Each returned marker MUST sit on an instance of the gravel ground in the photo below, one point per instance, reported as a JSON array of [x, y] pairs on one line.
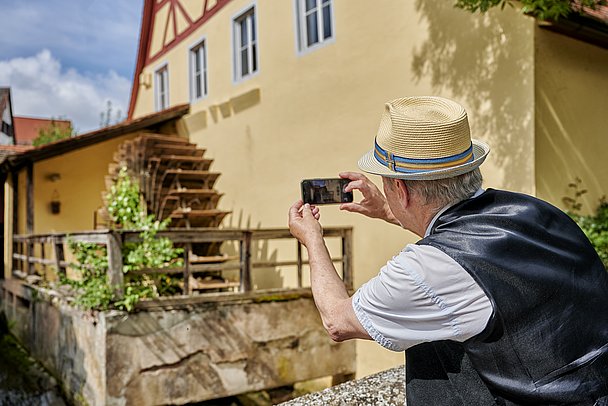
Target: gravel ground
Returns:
[[382, 389]]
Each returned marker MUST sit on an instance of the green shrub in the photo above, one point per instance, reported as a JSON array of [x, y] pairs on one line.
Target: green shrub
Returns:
[[128, 212], [595, 226]]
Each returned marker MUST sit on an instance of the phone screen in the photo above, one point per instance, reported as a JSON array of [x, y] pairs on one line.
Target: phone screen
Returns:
[[325, 191]]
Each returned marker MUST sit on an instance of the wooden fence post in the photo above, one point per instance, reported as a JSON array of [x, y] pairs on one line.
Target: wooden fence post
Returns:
[[245, 251], [347, 258], [59, 255], [115, 274], [187, 286], [299, 259], [29, 248]]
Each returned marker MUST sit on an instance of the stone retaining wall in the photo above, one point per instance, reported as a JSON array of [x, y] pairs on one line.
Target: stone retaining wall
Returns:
[[185, 354]]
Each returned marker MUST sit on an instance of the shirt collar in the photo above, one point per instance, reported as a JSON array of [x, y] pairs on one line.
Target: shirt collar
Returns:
[[440, 212]]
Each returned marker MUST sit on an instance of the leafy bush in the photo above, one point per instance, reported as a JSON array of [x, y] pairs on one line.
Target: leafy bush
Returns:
[[595, 226], [541, 9], [54, 132], [128, 212]]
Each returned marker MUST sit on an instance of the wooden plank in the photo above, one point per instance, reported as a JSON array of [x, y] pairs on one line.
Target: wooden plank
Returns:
[[187, 287], [347, 258], [59, 255], [273, 264], [245, 252], [192, 174], [28, 253], [115, 274], [182, 213], [34, 260], [160, 149], [225, 298], [185, 158], [196, 259], [196, 192], [192, 235], [299, 263], [15, 225], [217, 285], [145, 136], [30, 199]]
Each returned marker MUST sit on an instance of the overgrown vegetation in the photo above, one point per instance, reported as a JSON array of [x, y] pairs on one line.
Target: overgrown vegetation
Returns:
[[541, 9], [127, 212], [595, 226], [54, 132]]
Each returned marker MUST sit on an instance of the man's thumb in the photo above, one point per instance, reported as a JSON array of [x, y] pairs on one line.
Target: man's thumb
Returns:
[[306, 212]]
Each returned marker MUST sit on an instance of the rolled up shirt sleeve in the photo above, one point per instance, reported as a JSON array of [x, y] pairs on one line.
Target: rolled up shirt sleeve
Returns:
[[421, 295]]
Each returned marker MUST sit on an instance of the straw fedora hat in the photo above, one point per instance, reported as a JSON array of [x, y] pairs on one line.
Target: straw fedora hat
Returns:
[[423, 138]]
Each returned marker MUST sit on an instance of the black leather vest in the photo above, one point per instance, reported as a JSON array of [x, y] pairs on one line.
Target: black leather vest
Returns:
[[547, 340]]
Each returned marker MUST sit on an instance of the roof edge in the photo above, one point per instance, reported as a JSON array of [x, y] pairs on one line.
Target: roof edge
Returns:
[[142, 51], [91, 138]]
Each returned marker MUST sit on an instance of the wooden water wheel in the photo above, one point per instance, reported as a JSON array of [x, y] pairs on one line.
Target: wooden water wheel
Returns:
[[176, 182]]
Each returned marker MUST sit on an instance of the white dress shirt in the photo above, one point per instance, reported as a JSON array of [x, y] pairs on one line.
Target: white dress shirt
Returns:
[[421, 295]]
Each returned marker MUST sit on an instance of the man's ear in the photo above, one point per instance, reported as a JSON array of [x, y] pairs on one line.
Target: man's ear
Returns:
[[402, 191]]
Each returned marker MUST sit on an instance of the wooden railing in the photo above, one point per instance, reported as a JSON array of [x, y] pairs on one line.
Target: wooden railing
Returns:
[[42, 254]]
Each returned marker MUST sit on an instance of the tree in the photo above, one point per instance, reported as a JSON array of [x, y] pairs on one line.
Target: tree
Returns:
[[105, 117], [54, 132], [541, 9]]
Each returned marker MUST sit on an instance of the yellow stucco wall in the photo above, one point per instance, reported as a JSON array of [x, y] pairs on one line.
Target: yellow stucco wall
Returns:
[[317, 112], [79, 188], [571, 105]]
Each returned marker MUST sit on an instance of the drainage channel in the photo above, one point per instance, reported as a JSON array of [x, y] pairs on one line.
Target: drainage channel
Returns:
[[23, 382]]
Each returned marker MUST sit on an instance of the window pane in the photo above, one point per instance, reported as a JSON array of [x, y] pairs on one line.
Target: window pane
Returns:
[[310, 4], [244, 62], [312, 31], [326, 22], [198, 90], [252, 18], [254, 56], [197, 61], [205, 81], [243, 29]]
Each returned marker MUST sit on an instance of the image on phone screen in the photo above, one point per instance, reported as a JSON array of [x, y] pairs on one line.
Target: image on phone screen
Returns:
[[325, 191]]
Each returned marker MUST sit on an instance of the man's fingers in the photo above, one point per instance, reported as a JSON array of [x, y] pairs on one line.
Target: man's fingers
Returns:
[[352, 207], [352, 175], [356, 184]]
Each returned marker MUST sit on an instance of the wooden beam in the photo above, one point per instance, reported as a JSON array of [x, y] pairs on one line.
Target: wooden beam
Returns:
[[59, 255], [245, 250], [9, 209], [347, 258], [29, 216], [115, 274]]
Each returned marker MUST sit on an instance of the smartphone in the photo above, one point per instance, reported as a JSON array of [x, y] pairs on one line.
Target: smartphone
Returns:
[[325, 191]]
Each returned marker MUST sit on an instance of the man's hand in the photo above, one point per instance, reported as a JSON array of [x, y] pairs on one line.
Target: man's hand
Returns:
[[373, 204], [304, 222]]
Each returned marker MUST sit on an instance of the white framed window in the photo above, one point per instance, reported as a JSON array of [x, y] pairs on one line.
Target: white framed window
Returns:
[[315, 24], [198, 71], [245, 44], [161, 88]]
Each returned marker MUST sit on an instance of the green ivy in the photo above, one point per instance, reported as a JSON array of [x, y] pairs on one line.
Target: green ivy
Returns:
[[128, 212], [595, 225]]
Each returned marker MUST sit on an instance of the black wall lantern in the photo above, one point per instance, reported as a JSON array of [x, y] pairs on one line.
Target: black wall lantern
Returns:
[[55, 203]]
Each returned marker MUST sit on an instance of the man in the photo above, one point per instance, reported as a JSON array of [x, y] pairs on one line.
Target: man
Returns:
[[503, 300]]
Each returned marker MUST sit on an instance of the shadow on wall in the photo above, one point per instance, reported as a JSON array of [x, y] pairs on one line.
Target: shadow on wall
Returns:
[[486, 63], [261, 277]]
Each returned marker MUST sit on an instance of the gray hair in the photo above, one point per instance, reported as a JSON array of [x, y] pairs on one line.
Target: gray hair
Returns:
[[442, 192]]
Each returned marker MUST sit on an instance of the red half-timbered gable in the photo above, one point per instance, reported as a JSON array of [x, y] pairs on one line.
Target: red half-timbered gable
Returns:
[[175, 19]]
